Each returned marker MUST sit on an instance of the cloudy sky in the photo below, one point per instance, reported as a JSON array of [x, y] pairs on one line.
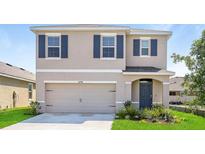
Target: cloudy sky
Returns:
[[17, 44]]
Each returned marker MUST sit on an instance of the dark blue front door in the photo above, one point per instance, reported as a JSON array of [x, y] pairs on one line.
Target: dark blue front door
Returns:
[[145, 93]]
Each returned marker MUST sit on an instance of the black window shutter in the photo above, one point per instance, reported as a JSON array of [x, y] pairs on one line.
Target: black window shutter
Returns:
[[96, 46], [64, 46], [41, 46], [120, 46], [136, 47], [153, 47]]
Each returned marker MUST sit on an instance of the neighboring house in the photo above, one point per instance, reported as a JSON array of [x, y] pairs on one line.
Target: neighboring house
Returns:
[[176, 91], [17, 86], [96, 68]]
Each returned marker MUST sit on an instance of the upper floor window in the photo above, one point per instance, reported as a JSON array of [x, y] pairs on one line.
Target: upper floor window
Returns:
[[30, 90], [144, 47], [53, 46], [108, 46]]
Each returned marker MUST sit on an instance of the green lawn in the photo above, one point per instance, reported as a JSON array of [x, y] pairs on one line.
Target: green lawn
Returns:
[[12, 116], [189, 122]]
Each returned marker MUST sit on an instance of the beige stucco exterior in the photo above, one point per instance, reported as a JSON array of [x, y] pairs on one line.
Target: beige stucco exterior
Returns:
[[159, 61], [8, 86], [124, 85], [80, 52], [80, 58], [80, 49]]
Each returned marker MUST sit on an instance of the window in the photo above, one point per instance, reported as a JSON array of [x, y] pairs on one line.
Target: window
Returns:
[[175, 93], [172, 93], [30, 90], [53, 46], [108, 46], [144, 47]]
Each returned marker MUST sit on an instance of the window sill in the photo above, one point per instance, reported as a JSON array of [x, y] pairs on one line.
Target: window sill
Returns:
[[145, 56], [53, 58], [107, 58]]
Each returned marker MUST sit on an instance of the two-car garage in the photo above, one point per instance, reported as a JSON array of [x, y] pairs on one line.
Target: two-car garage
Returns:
[[80, 97]]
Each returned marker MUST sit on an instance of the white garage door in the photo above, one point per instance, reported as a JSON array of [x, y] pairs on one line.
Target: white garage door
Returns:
[[80, 98]]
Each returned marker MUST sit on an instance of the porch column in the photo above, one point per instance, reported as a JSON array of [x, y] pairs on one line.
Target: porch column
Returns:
[[120, 97], [40, 95], [128, 91], [123, 93], [165, 94]]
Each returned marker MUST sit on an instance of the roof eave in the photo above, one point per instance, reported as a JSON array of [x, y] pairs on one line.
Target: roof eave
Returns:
[[17, 78], [36, 29], [169, 34]]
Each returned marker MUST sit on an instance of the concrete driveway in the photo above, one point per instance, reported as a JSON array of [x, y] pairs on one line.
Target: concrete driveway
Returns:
[[65, 121]]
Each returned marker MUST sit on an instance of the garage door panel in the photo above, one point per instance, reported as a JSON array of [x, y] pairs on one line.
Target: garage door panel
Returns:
[[86, 98]]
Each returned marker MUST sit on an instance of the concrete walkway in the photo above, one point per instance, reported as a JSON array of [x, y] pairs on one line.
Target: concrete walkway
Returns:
[[65, 121]]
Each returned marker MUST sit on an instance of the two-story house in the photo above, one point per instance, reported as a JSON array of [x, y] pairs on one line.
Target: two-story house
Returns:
[[96, 68]]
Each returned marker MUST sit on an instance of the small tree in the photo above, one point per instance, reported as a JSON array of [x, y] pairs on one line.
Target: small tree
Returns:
[[194, 82]]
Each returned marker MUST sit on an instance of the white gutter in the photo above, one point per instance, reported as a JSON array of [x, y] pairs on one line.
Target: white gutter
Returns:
[[129, 30], [150, 33], [18, 78], [75, 28]]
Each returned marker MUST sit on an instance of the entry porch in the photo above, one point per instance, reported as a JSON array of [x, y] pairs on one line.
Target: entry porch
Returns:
[[145, 87]]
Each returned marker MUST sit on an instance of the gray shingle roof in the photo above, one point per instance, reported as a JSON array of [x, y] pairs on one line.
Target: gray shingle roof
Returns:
[[146, 70], [150, 32], [141, 69], [82, 25], [132, 31], [16, 72]]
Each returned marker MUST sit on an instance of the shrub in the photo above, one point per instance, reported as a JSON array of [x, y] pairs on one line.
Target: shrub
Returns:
[[167, 116], [127, 104], [158, 106], [127, 117], [157, 113], [152, 114], [35, 106], [121, 113], [128, 112], [132, 111]]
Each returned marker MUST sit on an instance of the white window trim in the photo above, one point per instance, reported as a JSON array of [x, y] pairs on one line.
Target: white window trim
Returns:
[[149, 52], [107, 58], [31, 86], [53, 58], [101, 46], [53, 34], [30, 91]]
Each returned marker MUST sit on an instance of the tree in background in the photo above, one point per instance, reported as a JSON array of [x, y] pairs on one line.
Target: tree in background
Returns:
[[194, 82]]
